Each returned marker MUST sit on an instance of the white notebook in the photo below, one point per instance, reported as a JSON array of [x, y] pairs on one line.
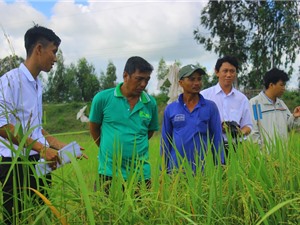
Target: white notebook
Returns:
[[43, 168]]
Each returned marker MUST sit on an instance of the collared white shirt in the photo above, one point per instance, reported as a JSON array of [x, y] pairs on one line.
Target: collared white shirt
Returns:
[[21, 103], [232, 107]]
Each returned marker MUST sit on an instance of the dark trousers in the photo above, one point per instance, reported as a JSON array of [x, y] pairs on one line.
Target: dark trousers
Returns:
[[20, 178]]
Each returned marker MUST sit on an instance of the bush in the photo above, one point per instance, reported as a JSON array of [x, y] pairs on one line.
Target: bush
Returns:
[[291, 99]]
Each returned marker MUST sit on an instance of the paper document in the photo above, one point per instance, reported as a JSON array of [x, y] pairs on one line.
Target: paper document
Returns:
[[43, 168]]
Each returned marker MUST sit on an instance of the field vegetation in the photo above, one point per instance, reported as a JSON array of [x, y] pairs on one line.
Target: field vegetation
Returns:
[[253, 188]]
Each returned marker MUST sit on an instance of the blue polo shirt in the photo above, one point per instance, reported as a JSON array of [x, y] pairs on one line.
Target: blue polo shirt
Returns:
[[124, 132], [188, 133]]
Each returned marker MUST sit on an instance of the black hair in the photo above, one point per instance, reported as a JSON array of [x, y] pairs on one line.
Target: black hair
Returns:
[[229, 59], [137, 63], [273, 76], [39, 34]]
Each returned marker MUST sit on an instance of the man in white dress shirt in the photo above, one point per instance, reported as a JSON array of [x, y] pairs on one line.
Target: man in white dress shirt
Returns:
[[22, 138], [233, 105]]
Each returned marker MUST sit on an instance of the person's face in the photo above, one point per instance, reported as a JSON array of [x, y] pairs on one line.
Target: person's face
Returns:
[[47, 56], [278, 89], [136, 82], [226, 74], [191, 84]]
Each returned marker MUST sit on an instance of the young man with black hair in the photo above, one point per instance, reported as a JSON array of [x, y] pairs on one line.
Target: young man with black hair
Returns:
[[21, 113], [271, 117]]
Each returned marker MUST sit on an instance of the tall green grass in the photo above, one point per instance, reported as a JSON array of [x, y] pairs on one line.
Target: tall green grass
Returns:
[[253, 188]]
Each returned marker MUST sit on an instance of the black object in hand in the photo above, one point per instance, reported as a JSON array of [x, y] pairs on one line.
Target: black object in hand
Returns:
[[232, 127]]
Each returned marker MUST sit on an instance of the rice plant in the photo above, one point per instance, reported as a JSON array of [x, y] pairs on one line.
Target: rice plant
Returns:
[[254, 187]]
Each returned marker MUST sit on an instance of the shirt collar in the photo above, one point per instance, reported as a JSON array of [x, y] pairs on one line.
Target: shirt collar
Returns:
[[218, 89], [268, 100], [145, 98], [26, 72], [28, 75], [201, 99]]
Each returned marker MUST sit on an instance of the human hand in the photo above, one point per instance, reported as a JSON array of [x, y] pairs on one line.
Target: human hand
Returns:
[[232, 128], [296, 113], [82, 155], [51, 155]]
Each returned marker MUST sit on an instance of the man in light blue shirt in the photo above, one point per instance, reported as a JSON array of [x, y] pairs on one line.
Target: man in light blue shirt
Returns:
[[233, 105]]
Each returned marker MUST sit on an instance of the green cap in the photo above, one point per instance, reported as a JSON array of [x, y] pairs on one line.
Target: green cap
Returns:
[[188, 70]]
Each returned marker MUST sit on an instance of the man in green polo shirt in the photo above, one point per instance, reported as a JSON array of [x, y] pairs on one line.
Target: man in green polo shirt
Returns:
[[122, 119]]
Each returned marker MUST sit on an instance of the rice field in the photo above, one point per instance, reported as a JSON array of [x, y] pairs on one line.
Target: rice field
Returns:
[[254, 187]]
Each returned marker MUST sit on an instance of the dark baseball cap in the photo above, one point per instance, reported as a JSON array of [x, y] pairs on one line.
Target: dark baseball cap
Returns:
[[188, 70]]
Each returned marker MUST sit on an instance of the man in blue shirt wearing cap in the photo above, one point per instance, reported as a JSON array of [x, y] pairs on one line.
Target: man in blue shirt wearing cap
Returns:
[[191, 125]]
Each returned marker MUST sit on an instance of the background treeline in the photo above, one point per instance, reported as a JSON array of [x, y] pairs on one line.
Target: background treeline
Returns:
[[261, 34], [78, 82]]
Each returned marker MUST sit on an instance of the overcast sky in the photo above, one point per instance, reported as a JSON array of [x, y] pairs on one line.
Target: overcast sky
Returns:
[[111, 30]]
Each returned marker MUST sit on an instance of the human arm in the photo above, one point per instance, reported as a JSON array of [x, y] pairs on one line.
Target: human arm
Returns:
[[8, 132], [166, 138], [95, 131], [293, 119], [52, 141], [57, 144], [256, 116], [153, 126], [215, 133], [150, 134], [246, 123]]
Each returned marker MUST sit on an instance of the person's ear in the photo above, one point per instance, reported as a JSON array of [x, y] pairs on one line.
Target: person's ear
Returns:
[[38, 49], [125, 75], [180, 82], [217, 73]]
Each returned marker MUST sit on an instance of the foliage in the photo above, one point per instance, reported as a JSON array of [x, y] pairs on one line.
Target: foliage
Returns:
[[162, 73], [206, 82], [10, 62], [108, 80], [71, 83], [253, 188], [291, 99], [86, 79], [61, 118], [261, 34], [57, 88]]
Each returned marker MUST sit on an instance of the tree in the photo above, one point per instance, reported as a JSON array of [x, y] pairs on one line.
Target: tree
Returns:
[[86, 80], [261, 34], [73, 94], [10, 62], [108, 80], [57, 87], [206, 82], [77, 82], [162, 72]]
